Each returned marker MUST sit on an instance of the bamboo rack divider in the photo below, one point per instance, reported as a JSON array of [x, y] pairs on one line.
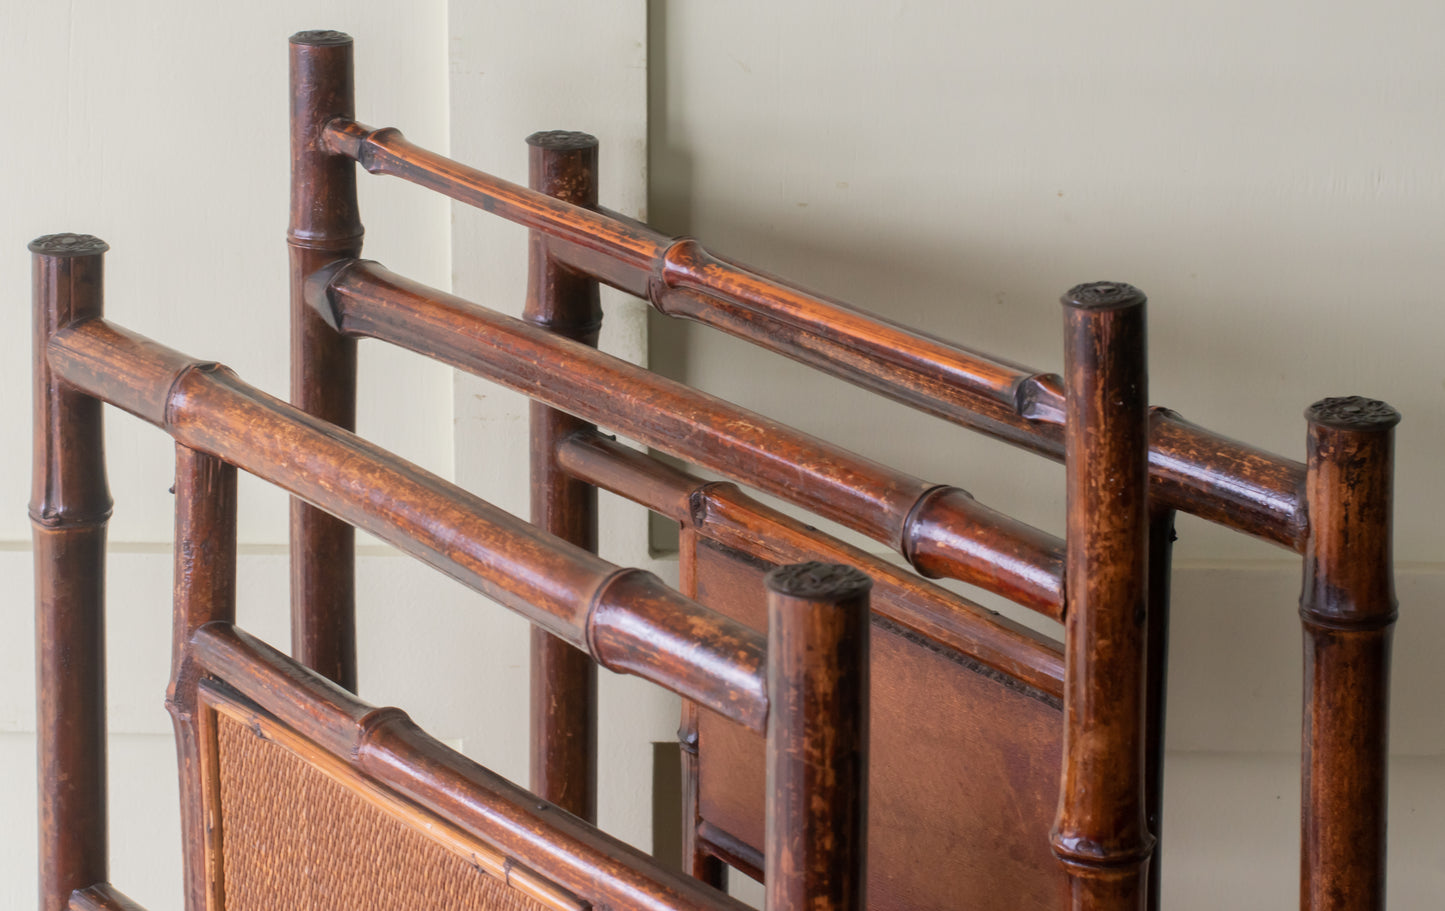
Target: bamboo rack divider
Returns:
[[942, 530], [1192, 469], [628, 620], [732, 518]]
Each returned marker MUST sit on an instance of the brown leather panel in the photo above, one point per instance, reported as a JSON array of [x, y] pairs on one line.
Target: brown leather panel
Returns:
[[964, 773]]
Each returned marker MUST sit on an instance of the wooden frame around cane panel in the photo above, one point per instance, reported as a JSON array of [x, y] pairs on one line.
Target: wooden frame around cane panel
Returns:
[[253, 726]]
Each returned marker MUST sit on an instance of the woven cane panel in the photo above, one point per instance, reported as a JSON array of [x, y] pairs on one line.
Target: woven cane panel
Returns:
[[292, 837]]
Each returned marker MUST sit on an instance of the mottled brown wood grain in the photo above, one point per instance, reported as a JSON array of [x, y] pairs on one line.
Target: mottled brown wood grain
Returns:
[[325, 225], [564, 679], [1348, 609], [1101, 833], [69, 507]]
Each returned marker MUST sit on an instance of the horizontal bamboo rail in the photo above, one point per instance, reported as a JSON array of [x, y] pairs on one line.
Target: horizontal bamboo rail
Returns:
[[726, 515], [102, 897], [627, 619], [1192, 469], [942, 530], [385, 746]]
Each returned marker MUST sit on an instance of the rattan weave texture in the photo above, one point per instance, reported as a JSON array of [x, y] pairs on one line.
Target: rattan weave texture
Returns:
[[294, 838]]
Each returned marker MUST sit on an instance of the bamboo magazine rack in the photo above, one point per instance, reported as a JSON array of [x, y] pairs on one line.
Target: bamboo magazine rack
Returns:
[[853, 733]]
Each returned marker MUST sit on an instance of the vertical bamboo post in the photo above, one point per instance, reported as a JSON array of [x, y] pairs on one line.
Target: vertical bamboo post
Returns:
[[696, 860], [1161, 547], [205, 590], [69, 507], [564, 680], [1348, 609], [817, 742], [325, 226], [1100, 834]]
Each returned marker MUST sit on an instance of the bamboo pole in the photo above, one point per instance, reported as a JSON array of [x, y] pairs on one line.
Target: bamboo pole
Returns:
[[1348, 609], [1101, 834], [629, 620], [205, 592], [1192, 469], [564, 679], [69, 508], [816, 841], [325, 226]]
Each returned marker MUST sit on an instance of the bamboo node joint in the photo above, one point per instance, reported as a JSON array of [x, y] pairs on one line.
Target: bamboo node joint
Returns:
[[1080, 850]]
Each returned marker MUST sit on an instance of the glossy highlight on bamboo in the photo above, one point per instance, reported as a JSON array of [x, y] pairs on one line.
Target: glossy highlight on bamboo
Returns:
[[564, 679], [1348, 609], [943, 531], [325, 225], [69, 508], [1101, 834], [1193, 470], [559, 587]]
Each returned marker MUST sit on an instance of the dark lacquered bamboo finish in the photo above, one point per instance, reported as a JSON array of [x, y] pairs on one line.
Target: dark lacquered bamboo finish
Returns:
[[564, 679], [69, 507], [205, 592], [1101, 833], [1194, 470], [388, 749], [628, 619], [817, 797], [1348, 608], [325, 225], [1128, 469], [102, 897], [943, 531], [1156, 688]]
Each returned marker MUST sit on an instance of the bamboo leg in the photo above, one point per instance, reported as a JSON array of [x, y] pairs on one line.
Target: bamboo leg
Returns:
[[1101, 833], [69, 507], [1348, 609], [205, 591], [817, 753], [564, 679], [696, 860], [1161, 546], [325, 227]]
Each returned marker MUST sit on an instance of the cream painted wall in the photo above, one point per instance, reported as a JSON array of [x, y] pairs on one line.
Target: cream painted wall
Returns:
[[162, 127], [1267, 172], [517, 69]]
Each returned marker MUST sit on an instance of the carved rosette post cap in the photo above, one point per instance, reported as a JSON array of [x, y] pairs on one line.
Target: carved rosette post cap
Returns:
[[1103, 296], [562, 140], [819, 581], [1352, 412], [321, 37], [68, 245]]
